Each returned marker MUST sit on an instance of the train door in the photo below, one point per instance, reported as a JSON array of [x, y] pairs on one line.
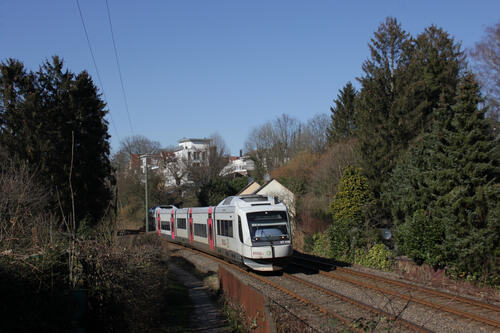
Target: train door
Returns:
[[240, 236], [191, 238], [158, 223], [210, 229], [172, 222]]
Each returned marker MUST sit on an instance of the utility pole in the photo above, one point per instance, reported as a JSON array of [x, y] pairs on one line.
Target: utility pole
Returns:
[[146, 190]]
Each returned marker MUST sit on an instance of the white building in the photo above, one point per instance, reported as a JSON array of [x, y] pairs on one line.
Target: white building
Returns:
[[193, 150], [190, 152], [241, 165]]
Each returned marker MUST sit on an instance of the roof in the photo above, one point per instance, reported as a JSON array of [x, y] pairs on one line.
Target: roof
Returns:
[[250, 188], [204, 140]]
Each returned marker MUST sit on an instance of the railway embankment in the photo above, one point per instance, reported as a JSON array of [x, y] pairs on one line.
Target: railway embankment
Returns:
[[313, 297]]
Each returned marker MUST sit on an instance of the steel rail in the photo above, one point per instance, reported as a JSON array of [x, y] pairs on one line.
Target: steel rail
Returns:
[[413, 299], [364, 306], [410, 286], [423, 289], [346, 321]]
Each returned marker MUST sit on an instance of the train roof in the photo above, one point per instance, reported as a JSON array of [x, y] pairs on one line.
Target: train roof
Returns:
[[250, 200]]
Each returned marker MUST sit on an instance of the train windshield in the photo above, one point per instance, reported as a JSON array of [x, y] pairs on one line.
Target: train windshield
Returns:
[[268, 225]]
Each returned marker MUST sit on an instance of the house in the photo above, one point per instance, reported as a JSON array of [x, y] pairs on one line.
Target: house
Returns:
[[250, 188], [238, 165], [174, 164], [275, 189]]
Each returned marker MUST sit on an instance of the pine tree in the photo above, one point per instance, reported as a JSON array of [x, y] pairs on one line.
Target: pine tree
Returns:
[[472, 207], [381, 87], [445, 194], [343, 119], [55, 122], [435, 63]]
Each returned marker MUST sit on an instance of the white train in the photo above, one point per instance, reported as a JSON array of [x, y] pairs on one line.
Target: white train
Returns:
[[251, 230]]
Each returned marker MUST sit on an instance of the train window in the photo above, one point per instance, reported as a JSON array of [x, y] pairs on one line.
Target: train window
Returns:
[[165, 225], [181, 223], [268, 225], [227, 201], [200, 230], [254, 198], [225, 228], [240, 230]]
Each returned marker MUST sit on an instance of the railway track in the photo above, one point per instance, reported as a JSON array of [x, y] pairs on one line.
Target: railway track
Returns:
[[348, 317], [460, 307]]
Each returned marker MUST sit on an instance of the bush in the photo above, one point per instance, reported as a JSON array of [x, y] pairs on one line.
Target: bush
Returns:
[[379, 257], [353, 194], [321, 245], [348, 230], [127, 284]]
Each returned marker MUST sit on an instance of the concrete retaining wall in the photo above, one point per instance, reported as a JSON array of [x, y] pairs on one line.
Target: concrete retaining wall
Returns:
[[251, 300]]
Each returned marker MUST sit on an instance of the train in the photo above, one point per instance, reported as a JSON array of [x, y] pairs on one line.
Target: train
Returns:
[[250, 230]]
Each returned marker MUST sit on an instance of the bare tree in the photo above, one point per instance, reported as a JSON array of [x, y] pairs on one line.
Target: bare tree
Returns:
[[176, 167], [314, 138], [486, 54], [137, 144], [275, 143], [211, 163]]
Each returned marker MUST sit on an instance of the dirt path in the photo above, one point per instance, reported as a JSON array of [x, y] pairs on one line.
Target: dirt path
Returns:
[[205, 317]]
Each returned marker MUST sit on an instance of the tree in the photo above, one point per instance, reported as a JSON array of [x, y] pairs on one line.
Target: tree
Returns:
[[219, 188], [343, 119], [134, 145], [486, 54], [54, 120], [377, 114], [346, 208], [273, 144], [434, 68], [445, 194], [209, 169]]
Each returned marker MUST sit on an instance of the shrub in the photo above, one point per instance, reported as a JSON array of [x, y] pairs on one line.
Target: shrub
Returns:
[[379, 257], [321, 245], [353, 194], [348, 230]]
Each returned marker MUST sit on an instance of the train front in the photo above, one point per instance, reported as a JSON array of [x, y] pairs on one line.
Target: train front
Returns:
[[270, 237]]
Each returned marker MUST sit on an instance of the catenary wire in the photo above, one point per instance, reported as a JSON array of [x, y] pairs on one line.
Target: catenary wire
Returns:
[[119, 68], [95, 65]]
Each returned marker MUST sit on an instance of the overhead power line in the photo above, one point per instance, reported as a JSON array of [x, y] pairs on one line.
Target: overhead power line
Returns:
[[95, 64], [119, 68]]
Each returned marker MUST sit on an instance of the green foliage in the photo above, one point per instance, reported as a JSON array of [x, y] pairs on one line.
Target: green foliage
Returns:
[[378, 256], [340, 241], [219, 188], [353, 194], [404, 82], [444, 192], [55, 121], [377, 113], [347, 231], [343, 118], [321, 245]]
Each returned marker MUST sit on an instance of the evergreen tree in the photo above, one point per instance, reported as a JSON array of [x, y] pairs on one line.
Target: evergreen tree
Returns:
[[343, 120], [55, 122], [430, 79], [445, 194], [377, 116]]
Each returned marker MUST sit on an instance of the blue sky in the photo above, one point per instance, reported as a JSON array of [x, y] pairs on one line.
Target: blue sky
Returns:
[[194, 68]]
